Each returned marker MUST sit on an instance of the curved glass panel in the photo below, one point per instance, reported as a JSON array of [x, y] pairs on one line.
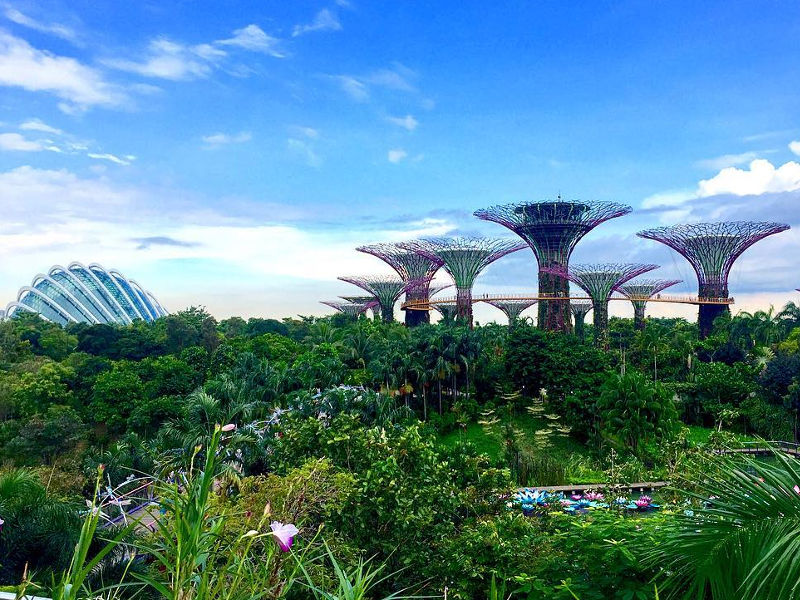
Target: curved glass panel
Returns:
[[116, 292], [99, 291], [68, 282], [44, 307], [61, 300], [141, 310]]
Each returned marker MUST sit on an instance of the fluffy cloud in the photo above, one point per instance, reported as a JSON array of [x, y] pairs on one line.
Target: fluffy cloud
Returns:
[[396, 155], [16, 142], [408, 122], [795, 147], [325, 20], [760, 178], [79, 86], [397, 78]]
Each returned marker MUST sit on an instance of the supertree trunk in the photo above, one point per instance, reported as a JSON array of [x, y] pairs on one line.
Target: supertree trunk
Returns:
[[601, 325], [638, 314], [417, 317], [464, 306], [554, 315], [387, 313], [580, 329], [709, 312]]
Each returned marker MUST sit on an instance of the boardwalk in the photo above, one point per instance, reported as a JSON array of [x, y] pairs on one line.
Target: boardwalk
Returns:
[[641, 487]]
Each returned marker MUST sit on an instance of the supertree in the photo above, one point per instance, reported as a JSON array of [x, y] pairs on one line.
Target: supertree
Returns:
[[464, 258], [711, 249], [552, 228], [639, 292], [351, 309], [448, 311], [409, 266], [385, 288], [599, 281], [580, 308], [371, 301], [512, 308]]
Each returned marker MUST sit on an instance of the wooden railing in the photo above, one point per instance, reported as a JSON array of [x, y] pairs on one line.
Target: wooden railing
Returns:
[[428, 304]]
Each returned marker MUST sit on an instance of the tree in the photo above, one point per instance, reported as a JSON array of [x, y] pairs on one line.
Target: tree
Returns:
[[39, 532], [44, 437], [39, 389], [634, 411], [114, 395]]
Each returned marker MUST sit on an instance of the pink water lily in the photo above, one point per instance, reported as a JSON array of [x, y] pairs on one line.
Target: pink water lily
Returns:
[[796, 489], [229, 427], [284, 533]]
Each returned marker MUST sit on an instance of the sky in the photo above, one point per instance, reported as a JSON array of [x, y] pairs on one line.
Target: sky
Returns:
[[233, 154]]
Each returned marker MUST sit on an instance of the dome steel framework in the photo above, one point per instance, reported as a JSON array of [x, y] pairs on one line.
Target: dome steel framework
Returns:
[[86, 294]]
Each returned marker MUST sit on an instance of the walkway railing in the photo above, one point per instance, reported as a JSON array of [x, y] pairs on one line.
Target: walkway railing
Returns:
[[427, 304]]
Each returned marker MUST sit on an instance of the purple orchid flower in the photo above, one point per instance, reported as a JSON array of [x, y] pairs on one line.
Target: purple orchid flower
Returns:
[[284, 533]]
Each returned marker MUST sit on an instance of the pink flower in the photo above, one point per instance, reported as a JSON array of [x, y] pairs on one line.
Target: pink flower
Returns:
[[2, 523], [576, 497], [229, 427], [284, 533], [796, 489], [593, 496]]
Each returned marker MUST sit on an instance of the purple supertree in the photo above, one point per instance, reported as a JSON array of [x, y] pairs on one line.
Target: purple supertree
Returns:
[[580, 308], [512, 308], [552, 228], [639, 292], [711, 249], [385, 288], [351, 309], [599, 281], [409, 266], [370, 301], [464, 258]]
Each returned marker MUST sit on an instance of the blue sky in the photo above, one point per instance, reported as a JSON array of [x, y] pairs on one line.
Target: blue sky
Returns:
[[232, 154]]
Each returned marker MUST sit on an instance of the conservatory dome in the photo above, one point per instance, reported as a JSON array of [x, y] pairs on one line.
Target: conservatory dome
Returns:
[[81, 294]]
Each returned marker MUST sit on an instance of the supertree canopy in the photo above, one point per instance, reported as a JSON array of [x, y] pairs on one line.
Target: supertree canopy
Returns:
[[599, 281], [512, 308], [639, 292], [552, 228], [385, 288], [351, 309], [464, 258], [409, 265], [580, 308], [711, 249]]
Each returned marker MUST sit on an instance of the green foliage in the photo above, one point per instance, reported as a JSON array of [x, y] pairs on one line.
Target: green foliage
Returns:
[[739, 540], [634, 412], [39, 530]]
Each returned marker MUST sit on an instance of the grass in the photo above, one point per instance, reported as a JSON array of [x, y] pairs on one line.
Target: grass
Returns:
[[699, 435], [565, 449]]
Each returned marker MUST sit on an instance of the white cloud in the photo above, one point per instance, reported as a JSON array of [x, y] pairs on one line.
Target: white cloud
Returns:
[[254, 38], [795, 147], [79, 86], [397, 78], [408, 122], [726, 160], [353, 87], [169, 60], [112, 158], [224, 139], [308, 132], [396, 155], [39, 125], [325, 20], [56, 29], [16, 142], [305, 149], [760, 178]]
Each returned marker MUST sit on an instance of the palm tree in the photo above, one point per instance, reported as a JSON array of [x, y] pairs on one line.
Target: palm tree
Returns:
[[39, 530], [742, 539]]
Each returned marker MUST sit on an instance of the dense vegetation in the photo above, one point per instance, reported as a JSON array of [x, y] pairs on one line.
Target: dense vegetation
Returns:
[[393, 450]]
